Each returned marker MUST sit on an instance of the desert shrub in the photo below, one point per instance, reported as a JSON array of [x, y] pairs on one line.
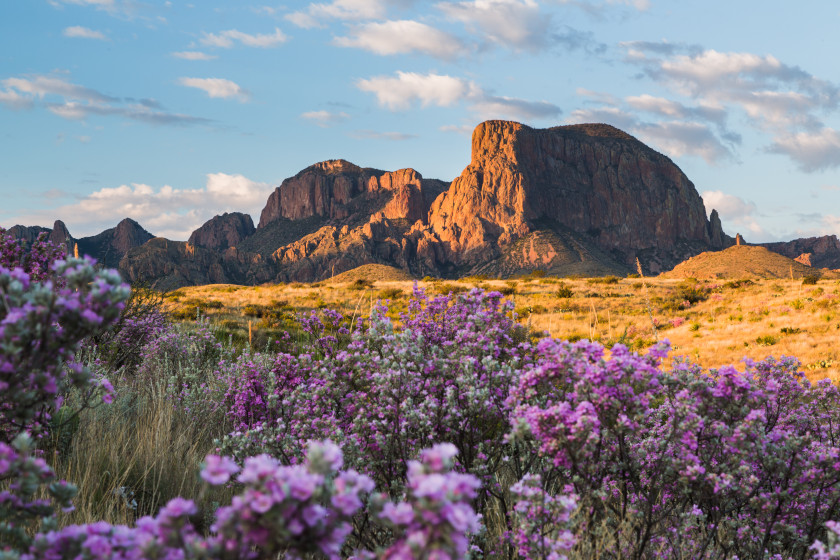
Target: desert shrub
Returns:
[[766, 340], [735, 284], [360, 284], [120, 346], [564, 291], [455, 289], [253, 310], [507, 290], [810, 279], [603, 280], [391, 293], [790, 330]]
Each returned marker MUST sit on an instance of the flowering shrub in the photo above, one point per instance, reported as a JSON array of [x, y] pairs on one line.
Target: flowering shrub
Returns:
[[388, 394], [36, 260], [542, 521], [291, 510], [437, 517], [41, 327], [685, 463]]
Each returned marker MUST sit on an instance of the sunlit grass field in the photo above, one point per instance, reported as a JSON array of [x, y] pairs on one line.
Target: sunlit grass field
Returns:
[[714, 323]]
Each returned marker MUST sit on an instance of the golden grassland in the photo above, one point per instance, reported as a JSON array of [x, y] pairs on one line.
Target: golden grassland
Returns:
[[712, 322]]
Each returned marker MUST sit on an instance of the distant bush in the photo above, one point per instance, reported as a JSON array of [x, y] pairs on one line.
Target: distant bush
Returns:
[[391, 293], [811, 279], [603, 280], [564, 291], [360, 284]]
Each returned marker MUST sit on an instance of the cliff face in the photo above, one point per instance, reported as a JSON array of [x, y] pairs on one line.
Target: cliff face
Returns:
[[594, 180], [336, 190], [222, 232], [817, 252]]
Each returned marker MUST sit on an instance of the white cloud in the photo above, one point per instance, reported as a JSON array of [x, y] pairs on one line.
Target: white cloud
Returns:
[[226, 39], [736, 214], [193, 55], [216, 87], [812, 151], [166, 211], [675, 138], [457, 128], [498, 107], [75, 102], [407, 88], [14, 100], [325, 119], [400, 92], [101, 3], [608, 115], [346, 10], [80, 32], [401, 37], [517, 24], [41, 86], [678, 138]]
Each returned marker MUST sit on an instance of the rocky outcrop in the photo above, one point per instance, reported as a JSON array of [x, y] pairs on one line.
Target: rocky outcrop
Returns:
[[223, 232], [593, 180], [27, 234], [59, 234], [111, 245], [818, 252], [338, 190]]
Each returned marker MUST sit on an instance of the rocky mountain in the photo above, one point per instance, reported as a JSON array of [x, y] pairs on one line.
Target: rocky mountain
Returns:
[[581, 199], [817, 252], [110, 246], [107, 247], [223, 232]]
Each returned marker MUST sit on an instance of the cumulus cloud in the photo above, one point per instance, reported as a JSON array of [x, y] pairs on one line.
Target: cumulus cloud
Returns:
[[193, 55], [736, 214], [517, 24], [402, 37], [675, 138], [780, 100], [166, 211], [346, 10], [216, 87], [80, 32], [74, 102], [408, 88], [400, 92], [812, 151], [499, 107], [227, 39], [325, 119]]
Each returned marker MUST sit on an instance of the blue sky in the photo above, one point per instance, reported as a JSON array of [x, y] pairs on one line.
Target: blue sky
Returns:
[[172, 112]]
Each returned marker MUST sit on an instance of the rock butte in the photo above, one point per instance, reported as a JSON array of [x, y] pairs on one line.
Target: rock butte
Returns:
[[581, 199]]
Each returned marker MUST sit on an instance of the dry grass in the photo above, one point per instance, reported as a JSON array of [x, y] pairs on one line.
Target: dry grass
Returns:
[[152, 451], [766, 317]]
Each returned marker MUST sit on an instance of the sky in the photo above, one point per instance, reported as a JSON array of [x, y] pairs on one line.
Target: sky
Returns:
[[172, 112]]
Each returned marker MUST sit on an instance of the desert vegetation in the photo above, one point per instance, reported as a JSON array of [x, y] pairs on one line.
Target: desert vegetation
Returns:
[[387, 419]]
